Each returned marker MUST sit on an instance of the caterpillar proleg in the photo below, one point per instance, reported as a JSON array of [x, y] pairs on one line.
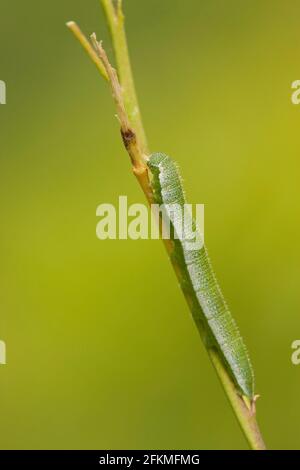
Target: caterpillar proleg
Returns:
[[199, 283]]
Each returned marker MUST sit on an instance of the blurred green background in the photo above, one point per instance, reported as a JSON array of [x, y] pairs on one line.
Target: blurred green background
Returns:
[[101, 348]]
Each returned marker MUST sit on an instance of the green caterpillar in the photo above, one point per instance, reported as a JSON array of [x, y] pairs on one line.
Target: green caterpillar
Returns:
[[198, 281]]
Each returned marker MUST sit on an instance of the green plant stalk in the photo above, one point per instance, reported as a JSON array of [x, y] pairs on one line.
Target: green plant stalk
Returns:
[[136, 145], [115, 20], [88, 48], [244, 414]]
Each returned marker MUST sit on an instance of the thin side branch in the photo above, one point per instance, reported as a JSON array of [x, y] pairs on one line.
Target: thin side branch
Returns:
[[87, 47]]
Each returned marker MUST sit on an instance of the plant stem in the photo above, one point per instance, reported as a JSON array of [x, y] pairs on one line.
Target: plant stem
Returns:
[[129, 135], [134, 139], [115, 19], [245, 416]]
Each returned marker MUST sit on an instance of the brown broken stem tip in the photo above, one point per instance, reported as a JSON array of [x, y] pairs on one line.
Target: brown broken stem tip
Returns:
[[114, 83], [128, 134]]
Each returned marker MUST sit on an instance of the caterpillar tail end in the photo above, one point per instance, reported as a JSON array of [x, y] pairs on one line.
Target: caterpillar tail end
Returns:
[[247, 402], [250, 403]]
